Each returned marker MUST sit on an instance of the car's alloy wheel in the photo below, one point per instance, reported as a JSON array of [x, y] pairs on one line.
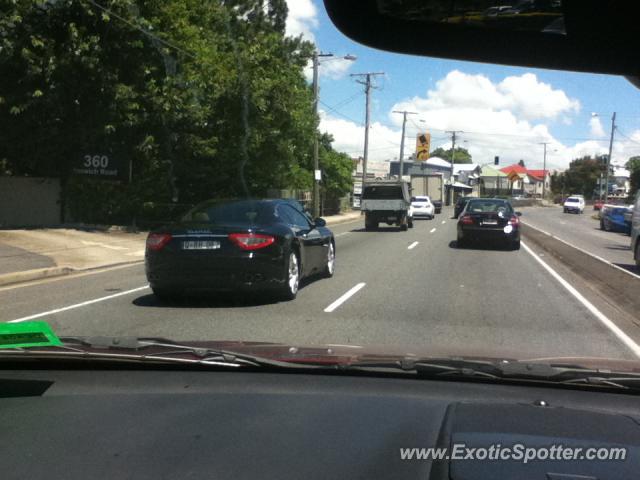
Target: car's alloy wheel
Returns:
[[331, 261], [293, 277]]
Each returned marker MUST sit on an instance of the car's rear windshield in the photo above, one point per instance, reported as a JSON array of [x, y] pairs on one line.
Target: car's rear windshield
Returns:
[[235, 213], [387, 192], [420, 199], [573, 200], [490, 206]]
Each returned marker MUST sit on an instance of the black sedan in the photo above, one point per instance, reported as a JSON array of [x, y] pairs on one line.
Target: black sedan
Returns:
[[490, 219], [239, 245], [460, 204]]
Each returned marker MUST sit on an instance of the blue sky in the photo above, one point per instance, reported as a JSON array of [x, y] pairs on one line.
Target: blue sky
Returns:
[[508, 111]]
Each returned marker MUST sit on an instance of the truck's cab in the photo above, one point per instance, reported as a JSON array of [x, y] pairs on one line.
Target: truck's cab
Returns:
[[386, 202]]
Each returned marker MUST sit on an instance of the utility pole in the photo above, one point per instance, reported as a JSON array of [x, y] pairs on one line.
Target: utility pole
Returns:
[[316, 166], [454, 134], [404, 125], [367, 122], [613, 130], [544, 169]]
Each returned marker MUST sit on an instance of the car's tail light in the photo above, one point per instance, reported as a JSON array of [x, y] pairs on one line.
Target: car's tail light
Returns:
[[251, 241], [466, 220], [156, 241], [514, 220]]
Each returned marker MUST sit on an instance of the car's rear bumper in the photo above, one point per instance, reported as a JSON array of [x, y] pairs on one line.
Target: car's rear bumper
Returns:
[[220, 274], [422, 213], [483, 233]]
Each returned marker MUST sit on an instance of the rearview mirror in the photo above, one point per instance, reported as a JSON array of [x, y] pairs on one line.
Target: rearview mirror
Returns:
[[582, 35], [320, 222]]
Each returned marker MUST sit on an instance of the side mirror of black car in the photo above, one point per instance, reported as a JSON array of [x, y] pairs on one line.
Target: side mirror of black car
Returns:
[[519, 214], [320, 222]]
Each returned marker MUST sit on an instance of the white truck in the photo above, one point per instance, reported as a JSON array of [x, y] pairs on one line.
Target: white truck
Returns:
[[431, 186], [386, 202]]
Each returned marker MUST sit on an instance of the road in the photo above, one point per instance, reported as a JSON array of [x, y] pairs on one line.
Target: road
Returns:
[[420, 293], [583, 232]]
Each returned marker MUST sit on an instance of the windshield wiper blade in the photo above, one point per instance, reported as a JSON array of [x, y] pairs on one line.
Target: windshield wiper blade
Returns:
[[151, 349], [505, 370]]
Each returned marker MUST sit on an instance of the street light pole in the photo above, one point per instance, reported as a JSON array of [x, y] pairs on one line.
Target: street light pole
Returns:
[[316, 166], [544, 170], [613, 129]]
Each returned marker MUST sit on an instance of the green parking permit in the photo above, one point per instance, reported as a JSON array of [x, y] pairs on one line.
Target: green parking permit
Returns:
[[27, 334]]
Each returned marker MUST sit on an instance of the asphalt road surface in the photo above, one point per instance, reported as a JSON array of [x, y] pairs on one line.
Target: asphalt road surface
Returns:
[[583, 232], [412, 290]]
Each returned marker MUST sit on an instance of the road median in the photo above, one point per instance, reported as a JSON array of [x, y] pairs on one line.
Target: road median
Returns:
[[615, 283]]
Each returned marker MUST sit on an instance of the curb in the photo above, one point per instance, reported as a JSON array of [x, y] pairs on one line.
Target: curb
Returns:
[[52, 272], [36, 274]]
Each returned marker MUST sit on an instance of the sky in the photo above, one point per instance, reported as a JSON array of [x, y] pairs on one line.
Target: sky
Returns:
[[502, 111]]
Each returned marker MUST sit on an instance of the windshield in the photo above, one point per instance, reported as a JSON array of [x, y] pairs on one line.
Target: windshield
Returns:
[[215, 213], [382, 193], [239, 171]]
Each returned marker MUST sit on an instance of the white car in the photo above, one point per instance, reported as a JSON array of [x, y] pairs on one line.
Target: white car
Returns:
[[574, 204], [421, 206]]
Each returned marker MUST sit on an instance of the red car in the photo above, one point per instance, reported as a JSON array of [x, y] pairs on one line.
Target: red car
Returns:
[[597, 205]]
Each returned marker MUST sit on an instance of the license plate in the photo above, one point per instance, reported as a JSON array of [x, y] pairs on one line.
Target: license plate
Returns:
[[200, 245], [490, 222]]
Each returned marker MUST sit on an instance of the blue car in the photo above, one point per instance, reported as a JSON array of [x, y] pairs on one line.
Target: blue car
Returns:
[[613, 219]]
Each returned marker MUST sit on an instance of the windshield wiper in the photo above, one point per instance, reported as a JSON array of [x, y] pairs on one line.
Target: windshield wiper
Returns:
[[504, 370], [154, 350]]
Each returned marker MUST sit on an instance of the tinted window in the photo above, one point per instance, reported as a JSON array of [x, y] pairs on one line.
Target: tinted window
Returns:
[[573, 200], [283, 214], [382, 193], [487, 206], [247, 212], [297, 218]]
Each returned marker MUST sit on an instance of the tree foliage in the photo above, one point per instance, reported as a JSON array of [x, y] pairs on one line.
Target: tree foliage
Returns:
[[203, 99], [462, 155], [580, 178], [633, 165]]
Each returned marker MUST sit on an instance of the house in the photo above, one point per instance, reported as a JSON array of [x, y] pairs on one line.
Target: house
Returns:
[[417, 168], [527, 182], [493, 182], [467, 174]]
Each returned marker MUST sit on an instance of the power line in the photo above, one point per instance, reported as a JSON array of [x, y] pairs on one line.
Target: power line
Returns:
[[357, 122], [627, 137], [142, 30]]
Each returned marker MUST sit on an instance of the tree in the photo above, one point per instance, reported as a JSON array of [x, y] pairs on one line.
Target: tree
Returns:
[[462, 155], [633, 165], [337, 168], [581, 177], [213, 103]]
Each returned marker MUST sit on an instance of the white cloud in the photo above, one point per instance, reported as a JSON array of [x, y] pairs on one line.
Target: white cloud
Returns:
[[384, 142], [596, 127], [302, 19], [498, 118]]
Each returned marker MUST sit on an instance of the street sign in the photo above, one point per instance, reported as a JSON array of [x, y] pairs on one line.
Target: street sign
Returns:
[[318, 174], [101, 165], [423, 145]]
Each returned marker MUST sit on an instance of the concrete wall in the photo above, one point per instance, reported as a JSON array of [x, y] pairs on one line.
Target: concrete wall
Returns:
[[29, 201]]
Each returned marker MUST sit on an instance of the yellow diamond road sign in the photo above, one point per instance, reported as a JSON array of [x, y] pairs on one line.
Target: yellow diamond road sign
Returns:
[[423, 144]]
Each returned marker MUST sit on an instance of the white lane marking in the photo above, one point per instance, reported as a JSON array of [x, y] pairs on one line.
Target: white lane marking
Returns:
[[341, 234], [432, 230], [139, 253], [412, 246], [78, 305], [628, 341], [344, 297], [592, 255], [444, 221]]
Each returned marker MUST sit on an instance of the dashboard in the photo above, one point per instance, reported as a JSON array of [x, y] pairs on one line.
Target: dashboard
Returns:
[[143, 424]]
